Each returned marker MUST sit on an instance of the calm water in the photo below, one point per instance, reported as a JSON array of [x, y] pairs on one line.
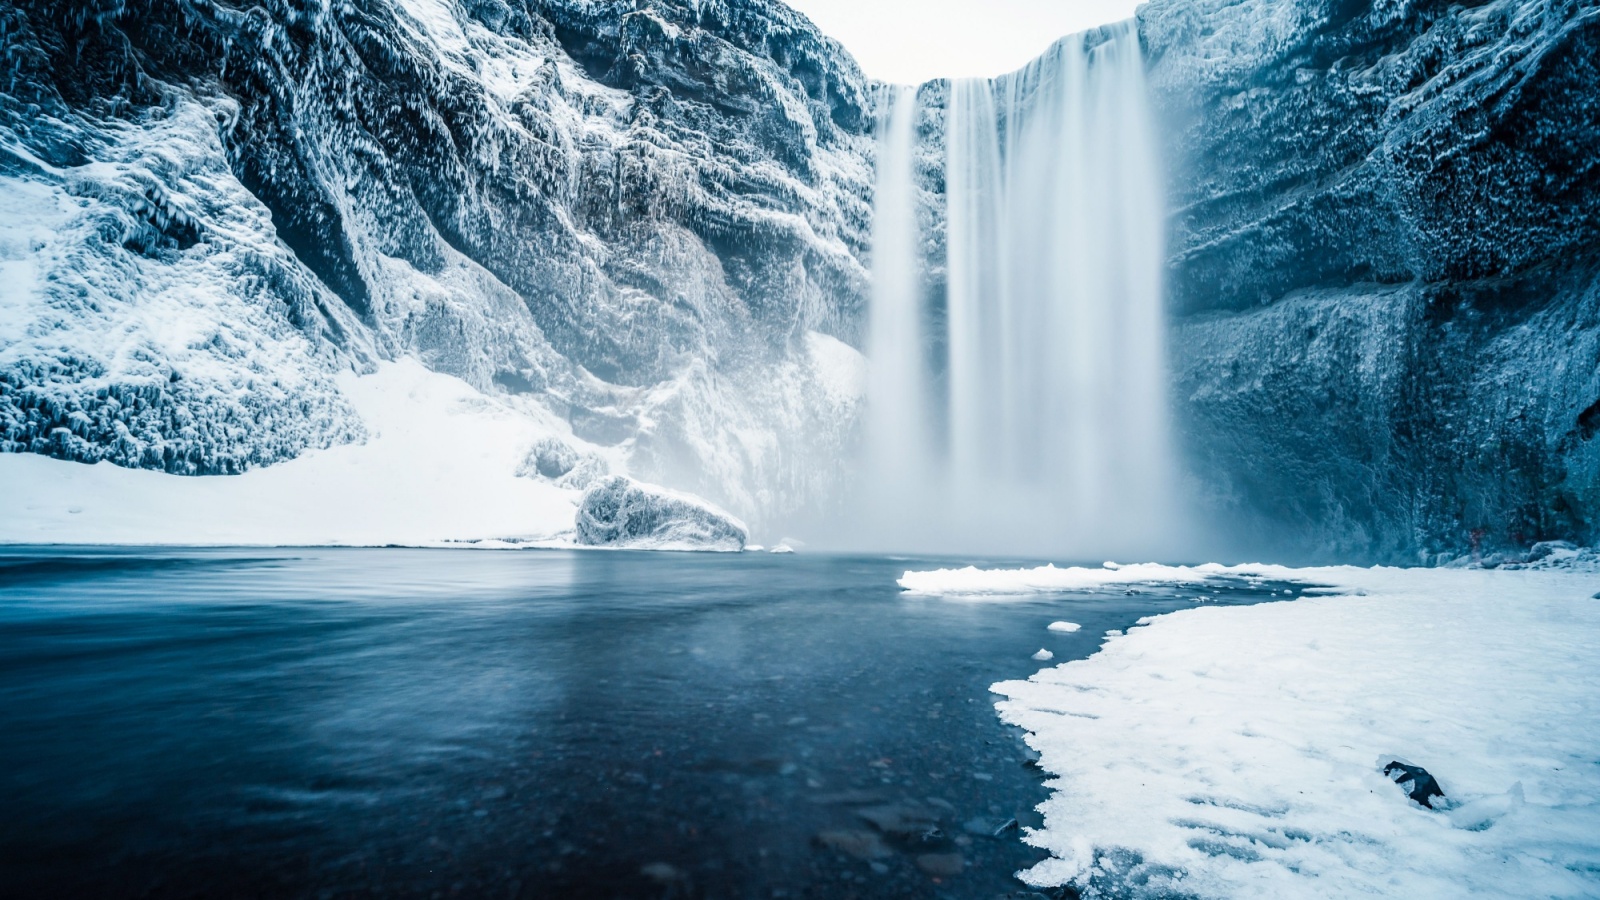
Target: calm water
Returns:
[[335, 723]]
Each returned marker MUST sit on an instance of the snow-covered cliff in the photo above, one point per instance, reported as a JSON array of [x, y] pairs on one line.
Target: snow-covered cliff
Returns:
[[1386, 266], [649, 220], [645, 216]]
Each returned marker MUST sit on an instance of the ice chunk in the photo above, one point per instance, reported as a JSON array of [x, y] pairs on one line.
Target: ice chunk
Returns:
[[623, 513], [1044, 655], [1064, 627]]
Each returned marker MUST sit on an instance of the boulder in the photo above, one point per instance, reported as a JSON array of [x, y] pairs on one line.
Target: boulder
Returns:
[[1416, 781], [623, 513]]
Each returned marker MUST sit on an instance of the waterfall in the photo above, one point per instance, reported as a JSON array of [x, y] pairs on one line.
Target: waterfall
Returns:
[[900, 438], [1041, 424]]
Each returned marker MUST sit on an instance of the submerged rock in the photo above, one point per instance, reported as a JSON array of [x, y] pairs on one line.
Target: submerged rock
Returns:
[[858, 843], [941, 865], [620, 512]]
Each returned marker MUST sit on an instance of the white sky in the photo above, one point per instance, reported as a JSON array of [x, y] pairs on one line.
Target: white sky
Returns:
[[911, 41]]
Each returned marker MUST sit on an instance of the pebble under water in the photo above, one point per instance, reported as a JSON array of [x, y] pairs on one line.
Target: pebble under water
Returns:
[[355, 723]]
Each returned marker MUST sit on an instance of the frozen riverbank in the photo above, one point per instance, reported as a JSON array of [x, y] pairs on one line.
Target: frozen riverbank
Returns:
[[1236, 752], [439, 465]]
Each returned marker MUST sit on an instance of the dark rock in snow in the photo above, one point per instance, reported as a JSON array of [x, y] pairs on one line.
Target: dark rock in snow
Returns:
[[1415, 781], [623, 513]]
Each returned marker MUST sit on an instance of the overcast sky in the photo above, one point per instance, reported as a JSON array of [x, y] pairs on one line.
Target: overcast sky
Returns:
[[911, 41]]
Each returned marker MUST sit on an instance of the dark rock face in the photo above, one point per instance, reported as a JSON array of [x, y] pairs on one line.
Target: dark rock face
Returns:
[[523, 193], [1386, 267]]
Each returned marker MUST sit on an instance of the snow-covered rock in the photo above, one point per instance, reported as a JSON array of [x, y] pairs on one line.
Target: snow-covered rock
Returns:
[[558, 462], [623, 513]]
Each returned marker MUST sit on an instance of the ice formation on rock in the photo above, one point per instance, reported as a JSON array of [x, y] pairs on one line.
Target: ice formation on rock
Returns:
[[625, 514]]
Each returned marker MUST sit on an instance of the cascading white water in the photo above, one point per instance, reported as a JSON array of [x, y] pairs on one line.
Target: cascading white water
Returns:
[[1051, 391], [900, 439]]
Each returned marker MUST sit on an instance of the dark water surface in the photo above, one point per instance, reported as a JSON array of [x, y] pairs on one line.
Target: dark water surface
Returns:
[[348, 723]]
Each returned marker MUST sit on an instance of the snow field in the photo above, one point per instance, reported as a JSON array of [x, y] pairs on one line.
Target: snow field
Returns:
[[439, 466], [1236, 752]]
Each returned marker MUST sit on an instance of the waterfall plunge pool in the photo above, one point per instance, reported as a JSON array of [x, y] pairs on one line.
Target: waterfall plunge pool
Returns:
[[524, 724]]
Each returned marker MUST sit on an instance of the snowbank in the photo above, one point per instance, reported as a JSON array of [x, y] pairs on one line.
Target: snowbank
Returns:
[[1046, 579], [622, 513], [1236, 752], [439, 465]]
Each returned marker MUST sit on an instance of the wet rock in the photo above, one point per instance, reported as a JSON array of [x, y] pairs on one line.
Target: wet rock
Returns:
[[941, 865], [662, 873], [847, 798], [979, 825], [1416, 781], [903, 820], [858, 843]]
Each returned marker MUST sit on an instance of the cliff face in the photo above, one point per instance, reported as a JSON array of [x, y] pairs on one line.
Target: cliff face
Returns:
[[1386, 267], [637, 212], [651, 218]]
